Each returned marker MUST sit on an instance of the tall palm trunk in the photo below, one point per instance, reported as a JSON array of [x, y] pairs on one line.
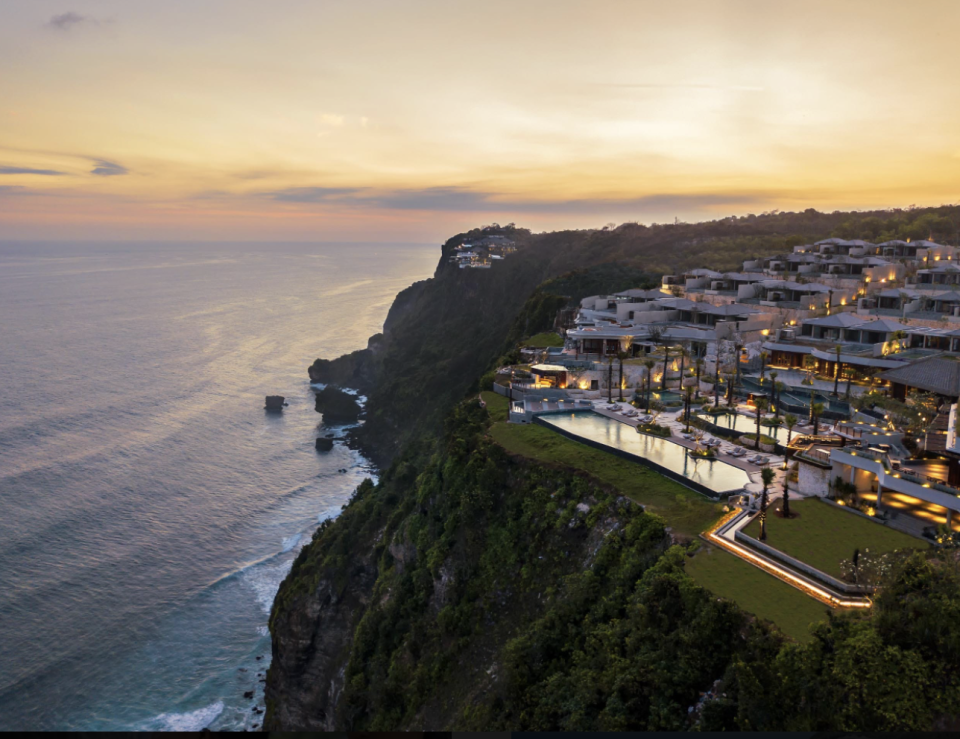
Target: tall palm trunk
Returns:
[[716, 379], [620, 384], [610, 380], [663, 377], [836, 375]]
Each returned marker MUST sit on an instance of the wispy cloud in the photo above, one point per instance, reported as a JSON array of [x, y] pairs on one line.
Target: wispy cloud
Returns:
[[459, 199], [12, 190], [66, 21], [29, 170], [310, 194], [681, 86], [107, 169]]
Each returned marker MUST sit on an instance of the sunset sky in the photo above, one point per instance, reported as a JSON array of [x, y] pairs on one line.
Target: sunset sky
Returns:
[[408, 121]]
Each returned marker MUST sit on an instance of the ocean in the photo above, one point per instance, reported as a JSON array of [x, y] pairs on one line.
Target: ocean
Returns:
[[149, 507]]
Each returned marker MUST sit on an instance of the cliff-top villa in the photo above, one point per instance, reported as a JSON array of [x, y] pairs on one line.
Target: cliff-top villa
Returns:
[[831, 322]]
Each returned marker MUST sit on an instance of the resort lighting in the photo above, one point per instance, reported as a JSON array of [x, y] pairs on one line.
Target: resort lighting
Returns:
[[810, 589]]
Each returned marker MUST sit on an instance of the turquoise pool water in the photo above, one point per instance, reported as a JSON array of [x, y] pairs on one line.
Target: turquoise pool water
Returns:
[[712, 474]]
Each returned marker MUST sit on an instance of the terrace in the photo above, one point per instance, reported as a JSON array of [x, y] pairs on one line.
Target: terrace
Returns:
[[824, 535]]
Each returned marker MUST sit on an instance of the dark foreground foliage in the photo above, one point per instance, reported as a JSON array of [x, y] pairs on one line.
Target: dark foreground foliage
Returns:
[[499, 604]]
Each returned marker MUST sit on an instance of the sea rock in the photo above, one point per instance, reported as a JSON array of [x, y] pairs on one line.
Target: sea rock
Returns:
[[248, 694], [337, 406], [275, 403], [324, 444]]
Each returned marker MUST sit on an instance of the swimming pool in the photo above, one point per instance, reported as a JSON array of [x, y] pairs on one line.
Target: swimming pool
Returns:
[[714, 475], [748, 425]]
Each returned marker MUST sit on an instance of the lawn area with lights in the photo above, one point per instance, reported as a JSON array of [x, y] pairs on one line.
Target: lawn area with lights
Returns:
[[822, 535], [756, 592]]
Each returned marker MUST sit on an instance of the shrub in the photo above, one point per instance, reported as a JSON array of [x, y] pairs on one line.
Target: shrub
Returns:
[[654, 429], [764, 439]]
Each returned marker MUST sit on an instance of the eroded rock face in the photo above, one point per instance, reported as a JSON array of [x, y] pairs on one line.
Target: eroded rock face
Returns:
[[337, 406], [312, 638]]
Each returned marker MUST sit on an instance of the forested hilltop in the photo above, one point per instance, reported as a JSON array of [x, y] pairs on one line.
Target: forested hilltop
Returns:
[[441, 334], [479, 588]]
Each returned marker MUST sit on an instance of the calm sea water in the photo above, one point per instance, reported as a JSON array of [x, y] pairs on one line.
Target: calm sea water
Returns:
[[149, 508]]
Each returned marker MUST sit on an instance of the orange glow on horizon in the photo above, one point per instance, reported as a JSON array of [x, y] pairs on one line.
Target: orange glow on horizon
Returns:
[[123, 125]]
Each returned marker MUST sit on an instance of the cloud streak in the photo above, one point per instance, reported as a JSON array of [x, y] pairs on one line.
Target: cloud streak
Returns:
[[66, 21], [103, 168], [463, 200], [310, 194], [29, 170]]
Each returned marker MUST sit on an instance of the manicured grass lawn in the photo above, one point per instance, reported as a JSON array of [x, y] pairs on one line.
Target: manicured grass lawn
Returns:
[[497, 406], [548, 338], [823, 536], [756, 592], [685, 511]]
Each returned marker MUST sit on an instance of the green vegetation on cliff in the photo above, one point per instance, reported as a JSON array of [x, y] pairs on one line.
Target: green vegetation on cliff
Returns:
[[503, 594], [686, 512], [496, 577], [507, 594]]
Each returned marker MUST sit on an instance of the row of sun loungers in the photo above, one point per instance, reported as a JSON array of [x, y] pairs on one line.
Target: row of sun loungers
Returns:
[[740, 452]]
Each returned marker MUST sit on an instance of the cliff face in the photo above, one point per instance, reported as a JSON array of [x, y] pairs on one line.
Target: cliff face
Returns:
[[312, 639], [447, 596], [468, 590]]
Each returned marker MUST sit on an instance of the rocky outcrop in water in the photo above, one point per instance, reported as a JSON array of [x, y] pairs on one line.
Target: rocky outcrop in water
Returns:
[[324, 444], [337, 406], [275, 403]]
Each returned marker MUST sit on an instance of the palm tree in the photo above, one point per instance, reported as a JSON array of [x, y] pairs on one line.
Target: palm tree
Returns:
[[766, 475], [896, 338], [761, 404], [610, 378], [689, 392], [763, 365], [625, 343], [649, 364], [699, 365], [790, 420], [738, 346], [620, 358], [786, 498], [773, 388], [666, 357], [684, 353], [780, 387], [836, 374], [816, 409], [716, 379]]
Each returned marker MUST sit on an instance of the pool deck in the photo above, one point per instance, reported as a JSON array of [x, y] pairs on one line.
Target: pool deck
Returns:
[[676, 428]]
